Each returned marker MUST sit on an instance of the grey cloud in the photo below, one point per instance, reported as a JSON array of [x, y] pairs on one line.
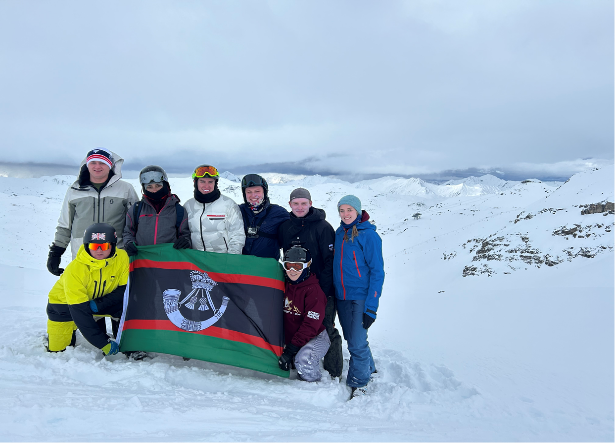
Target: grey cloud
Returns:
[[400, 87]]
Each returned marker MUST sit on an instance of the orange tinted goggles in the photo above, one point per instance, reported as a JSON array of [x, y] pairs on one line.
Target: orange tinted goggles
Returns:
[[202, 171], [101, 246]]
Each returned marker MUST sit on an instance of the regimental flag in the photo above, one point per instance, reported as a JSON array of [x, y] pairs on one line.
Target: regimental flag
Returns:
[[221, 308]]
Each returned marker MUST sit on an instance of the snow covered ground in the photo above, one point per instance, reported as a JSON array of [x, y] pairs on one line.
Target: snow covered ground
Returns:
[[520, 348]]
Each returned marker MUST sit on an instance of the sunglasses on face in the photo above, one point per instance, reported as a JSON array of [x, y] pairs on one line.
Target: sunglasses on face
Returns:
[[203, 171], [101, 246]]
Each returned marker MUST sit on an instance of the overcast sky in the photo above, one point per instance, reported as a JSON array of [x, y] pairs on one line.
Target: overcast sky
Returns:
[[422, 88]]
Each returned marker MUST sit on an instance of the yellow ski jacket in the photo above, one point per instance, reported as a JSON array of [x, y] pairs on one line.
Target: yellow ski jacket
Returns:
[[85, 279]]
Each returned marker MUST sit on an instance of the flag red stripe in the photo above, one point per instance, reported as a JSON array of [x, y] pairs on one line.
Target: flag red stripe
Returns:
[[212, 331], [216, 276]]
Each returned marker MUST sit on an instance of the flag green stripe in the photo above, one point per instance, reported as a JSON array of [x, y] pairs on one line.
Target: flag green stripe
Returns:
[[214, 262], [201, 347]]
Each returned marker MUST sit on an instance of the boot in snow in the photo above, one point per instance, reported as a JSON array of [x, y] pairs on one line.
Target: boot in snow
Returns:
[[357, 392]]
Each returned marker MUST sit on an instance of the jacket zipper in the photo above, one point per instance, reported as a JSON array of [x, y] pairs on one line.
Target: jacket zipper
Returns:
[[225, 243], [201, 226], [100, 285], [356, 264], [98, 206], [156, 229], [342, 269]]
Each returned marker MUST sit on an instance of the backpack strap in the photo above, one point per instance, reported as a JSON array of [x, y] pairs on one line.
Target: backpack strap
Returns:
[[136, 213]]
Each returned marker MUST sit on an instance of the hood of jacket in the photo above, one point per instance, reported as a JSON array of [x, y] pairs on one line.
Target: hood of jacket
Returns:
[[365, 218], [114, 175]]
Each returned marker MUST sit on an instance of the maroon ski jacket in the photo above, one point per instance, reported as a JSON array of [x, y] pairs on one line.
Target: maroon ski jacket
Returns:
[[304, 311]]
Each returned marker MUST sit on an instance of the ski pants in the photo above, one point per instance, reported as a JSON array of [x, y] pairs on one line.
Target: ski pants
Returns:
[[350, 313], [307, 360], [61, 330], [60, 335]]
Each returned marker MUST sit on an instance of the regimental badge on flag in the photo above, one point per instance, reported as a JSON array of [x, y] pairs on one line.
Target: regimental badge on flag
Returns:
[[222, 308]]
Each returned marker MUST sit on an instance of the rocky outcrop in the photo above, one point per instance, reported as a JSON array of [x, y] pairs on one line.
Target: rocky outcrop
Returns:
[[598, 208]]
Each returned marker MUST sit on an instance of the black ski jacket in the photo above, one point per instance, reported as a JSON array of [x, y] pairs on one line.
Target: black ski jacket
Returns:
[[315, 234]]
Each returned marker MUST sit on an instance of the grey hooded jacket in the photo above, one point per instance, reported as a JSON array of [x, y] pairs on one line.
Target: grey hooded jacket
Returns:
[[84, 204]]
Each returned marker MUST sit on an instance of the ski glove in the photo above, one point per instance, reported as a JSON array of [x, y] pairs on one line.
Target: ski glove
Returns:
[[182, 243], [93, 306], [368, 319], [286, 359], [111, 348], [54, 259], [131, 249]]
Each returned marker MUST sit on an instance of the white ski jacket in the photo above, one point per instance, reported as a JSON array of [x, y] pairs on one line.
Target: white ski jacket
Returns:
[[216, 226]]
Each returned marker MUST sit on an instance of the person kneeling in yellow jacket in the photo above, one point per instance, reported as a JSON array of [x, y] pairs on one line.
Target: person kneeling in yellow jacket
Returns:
[[93, 284]]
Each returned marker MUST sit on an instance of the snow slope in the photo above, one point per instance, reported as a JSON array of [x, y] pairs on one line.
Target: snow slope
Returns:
[[523, 351]]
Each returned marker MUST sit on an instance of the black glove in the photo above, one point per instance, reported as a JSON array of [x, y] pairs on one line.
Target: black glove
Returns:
[[368, 319], [182, 243], [131, 249], [286, 359], [54, 259]]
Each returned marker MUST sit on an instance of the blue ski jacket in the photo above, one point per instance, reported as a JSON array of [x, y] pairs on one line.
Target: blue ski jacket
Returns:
[[265, 243], [358, 266]]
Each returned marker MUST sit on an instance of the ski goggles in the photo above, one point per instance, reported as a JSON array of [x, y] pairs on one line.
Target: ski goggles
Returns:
[[252, 180], [101, 246], [151, 177], [297, 266], [205, 170]]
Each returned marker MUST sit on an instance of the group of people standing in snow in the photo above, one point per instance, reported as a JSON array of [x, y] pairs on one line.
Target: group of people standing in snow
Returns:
[[328, 271]]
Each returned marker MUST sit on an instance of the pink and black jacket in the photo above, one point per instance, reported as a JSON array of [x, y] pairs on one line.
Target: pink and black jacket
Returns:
[[155, 228]]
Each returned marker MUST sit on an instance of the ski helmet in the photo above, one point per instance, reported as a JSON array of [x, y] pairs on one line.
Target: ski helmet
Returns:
[[292, 257], [152, 174], [254, 180], [100, 233]]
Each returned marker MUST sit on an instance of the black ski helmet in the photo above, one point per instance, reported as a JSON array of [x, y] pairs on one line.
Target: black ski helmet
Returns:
[[297, 254], [254, 180], [152, 174], [100, 233]]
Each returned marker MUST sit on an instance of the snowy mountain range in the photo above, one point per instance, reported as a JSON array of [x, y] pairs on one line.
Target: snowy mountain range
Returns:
[[495, 323]]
